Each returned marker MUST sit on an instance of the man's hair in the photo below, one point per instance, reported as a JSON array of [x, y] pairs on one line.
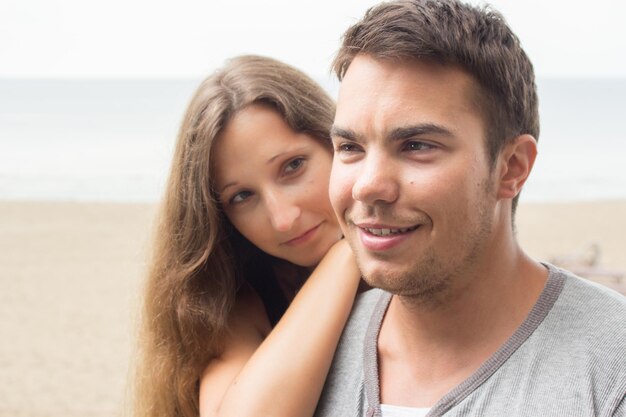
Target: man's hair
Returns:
[[477, 39]]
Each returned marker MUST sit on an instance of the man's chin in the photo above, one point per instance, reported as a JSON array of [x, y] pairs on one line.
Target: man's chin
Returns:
[[408, 284], [381, 278]]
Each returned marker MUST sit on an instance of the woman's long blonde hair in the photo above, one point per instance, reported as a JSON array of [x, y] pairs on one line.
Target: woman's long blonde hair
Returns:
[[195, 271]]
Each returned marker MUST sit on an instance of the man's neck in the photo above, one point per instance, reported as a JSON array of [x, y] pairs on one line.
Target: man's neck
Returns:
[[426, 349]]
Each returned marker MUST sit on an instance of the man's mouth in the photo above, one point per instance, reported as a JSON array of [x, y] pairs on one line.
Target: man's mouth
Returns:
[[388, 231], [379, 237]]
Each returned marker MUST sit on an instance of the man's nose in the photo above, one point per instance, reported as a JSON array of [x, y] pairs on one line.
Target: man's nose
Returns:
[[283, 210], [376, 182]]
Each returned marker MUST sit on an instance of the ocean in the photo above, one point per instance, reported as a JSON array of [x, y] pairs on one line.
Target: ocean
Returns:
[[112, 140]]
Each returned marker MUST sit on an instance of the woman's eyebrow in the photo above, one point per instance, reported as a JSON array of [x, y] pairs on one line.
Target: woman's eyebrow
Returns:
[[230, 184], [286, 151]]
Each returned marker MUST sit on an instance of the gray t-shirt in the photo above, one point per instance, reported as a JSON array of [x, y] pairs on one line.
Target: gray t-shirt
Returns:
[[568, 358]]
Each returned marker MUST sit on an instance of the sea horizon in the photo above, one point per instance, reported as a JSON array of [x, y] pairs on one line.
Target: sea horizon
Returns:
[[111, 140]]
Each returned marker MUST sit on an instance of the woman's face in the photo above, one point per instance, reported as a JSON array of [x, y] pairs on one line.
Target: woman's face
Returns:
[[273, 186]]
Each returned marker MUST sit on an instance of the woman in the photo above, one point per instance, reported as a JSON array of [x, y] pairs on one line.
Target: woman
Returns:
[[245, 219]]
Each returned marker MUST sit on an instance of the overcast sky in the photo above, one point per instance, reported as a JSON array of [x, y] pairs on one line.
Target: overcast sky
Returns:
[[188, 38]]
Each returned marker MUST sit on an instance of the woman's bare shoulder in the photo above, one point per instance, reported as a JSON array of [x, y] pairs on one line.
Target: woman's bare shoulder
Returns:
[[247, 328], [249, 312]]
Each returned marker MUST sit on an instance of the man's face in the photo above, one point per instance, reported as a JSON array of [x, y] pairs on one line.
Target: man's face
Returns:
[[410, 182]]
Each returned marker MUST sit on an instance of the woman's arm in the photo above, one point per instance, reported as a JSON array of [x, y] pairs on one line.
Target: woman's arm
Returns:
[[283, 375]]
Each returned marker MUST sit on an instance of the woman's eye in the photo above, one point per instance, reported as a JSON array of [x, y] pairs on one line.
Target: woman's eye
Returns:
[[239, 197], [294, 165]]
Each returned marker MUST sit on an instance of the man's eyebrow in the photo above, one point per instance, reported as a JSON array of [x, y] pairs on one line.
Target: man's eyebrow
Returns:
[[336, 131], [408, 132], [400, 133]]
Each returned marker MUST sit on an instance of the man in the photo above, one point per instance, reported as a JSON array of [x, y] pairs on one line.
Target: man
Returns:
[[435, 135]]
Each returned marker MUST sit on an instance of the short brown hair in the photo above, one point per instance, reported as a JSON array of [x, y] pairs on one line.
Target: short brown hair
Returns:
[[477, 39]]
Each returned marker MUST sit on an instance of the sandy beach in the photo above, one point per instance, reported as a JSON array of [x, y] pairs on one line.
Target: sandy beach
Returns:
[[69, 275], [69, 280]]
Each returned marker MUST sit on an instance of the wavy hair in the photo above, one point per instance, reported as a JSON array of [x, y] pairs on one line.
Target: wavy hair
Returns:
[[199, 261]]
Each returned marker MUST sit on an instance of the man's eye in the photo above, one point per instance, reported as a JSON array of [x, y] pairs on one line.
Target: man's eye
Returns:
[[346, 147], [415, 145], [239, 197], [294, 165]]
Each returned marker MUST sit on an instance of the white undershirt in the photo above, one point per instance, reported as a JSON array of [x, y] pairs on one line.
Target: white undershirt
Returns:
[[398, 411]]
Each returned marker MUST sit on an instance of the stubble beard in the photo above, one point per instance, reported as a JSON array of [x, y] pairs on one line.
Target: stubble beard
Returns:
[[434, 278]]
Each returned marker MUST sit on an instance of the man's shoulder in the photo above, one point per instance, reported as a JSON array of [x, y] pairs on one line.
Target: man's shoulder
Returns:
[[576, 351], [588, 302], [586, 326], [589, 287]]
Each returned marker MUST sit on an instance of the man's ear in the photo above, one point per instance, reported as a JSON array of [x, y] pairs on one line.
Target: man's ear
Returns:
[[516, 161]]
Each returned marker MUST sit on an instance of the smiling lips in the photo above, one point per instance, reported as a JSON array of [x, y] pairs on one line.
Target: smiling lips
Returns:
[[380, 238], [386, 232], [303, 238]]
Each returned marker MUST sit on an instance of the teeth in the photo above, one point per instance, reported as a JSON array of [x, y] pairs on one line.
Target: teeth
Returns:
[[387, 232]]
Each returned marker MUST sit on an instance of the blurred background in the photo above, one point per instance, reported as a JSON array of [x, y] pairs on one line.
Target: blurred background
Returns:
[[91, 95]]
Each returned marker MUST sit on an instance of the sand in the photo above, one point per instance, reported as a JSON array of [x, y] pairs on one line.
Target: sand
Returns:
[[69, 276], [69, 282], [567, 230]]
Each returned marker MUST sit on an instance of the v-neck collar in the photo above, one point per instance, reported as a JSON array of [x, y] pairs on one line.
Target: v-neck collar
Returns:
[[542, 307]]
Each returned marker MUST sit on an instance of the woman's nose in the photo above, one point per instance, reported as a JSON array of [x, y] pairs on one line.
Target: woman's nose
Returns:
[[283, 211]]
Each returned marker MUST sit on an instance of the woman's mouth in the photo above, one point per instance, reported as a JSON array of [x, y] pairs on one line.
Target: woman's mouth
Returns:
[[304, 237]]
